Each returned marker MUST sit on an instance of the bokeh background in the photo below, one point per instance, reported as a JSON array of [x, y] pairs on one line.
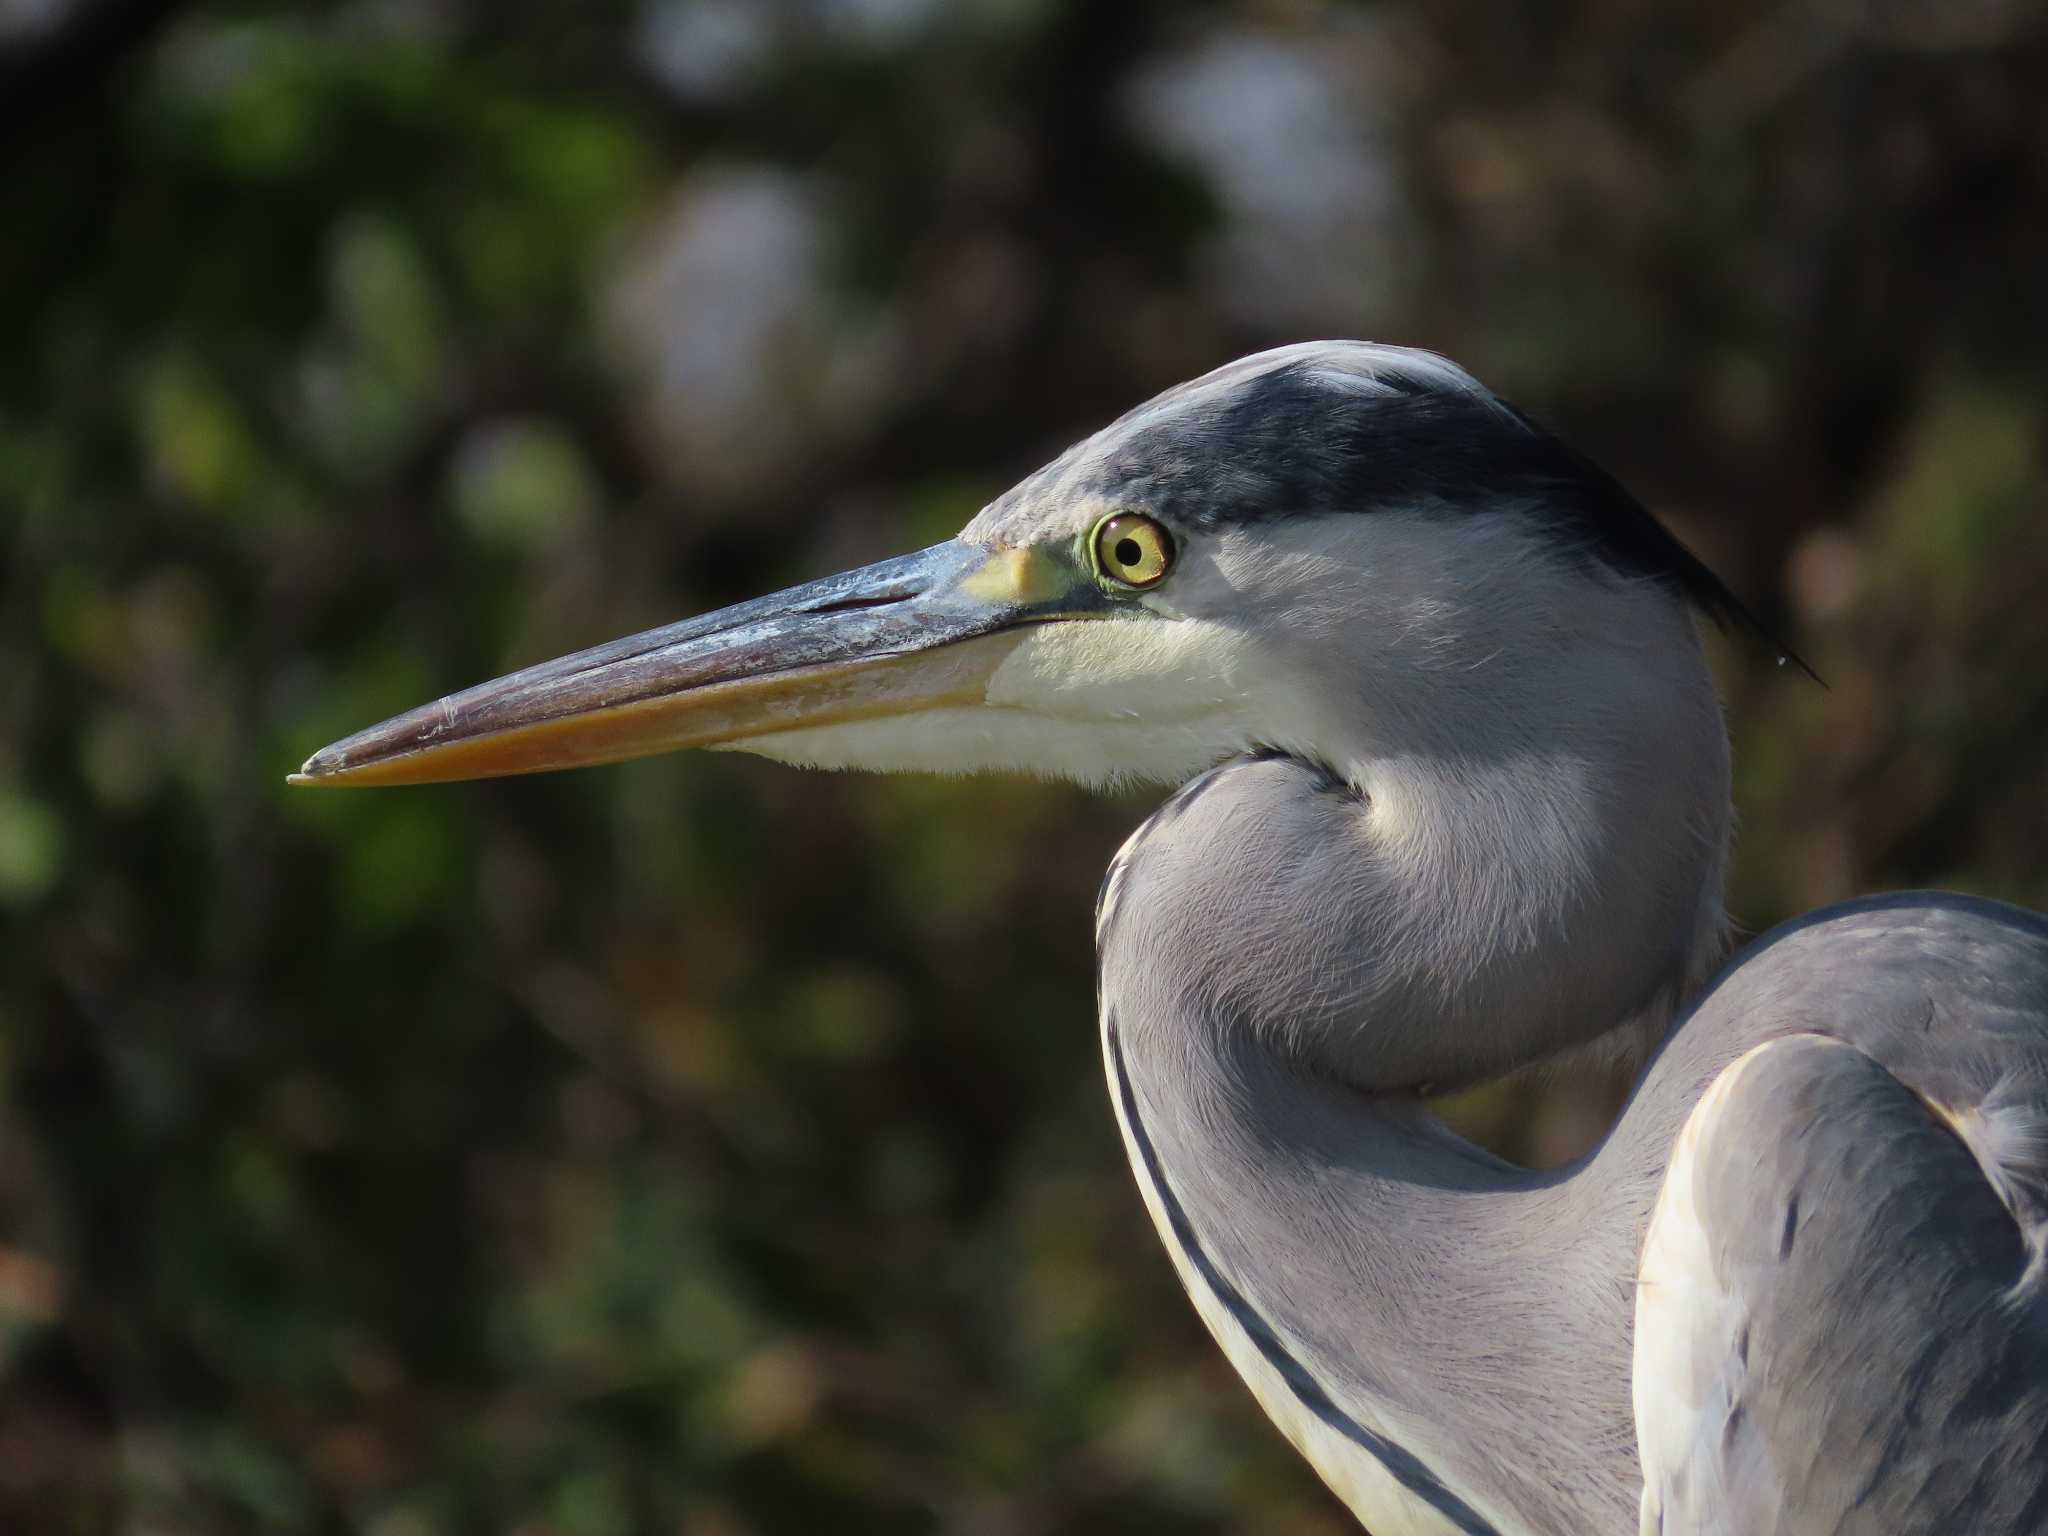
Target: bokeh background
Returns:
[[697, 1145]]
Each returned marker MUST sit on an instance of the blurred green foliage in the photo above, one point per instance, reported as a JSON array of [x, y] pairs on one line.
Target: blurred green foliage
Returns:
[[698, 1145]]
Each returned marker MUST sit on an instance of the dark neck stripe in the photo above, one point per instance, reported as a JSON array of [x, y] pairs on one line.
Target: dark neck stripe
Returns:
[[1401, 1465]]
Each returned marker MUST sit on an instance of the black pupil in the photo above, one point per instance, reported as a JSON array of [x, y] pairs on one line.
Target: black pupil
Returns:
[[1127, 552]]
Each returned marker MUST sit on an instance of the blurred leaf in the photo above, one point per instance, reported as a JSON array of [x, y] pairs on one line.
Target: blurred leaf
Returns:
[[31, 848], [524, 486]]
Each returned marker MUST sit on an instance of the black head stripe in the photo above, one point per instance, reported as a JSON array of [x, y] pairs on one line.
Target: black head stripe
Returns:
[[1306, 437]]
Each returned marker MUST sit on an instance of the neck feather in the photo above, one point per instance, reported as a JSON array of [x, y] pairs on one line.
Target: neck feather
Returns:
[[1348, 1257], [1290, 955]]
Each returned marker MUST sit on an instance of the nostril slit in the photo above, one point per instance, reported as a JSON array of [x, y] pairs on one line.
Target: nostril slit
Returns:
[[867, 600]]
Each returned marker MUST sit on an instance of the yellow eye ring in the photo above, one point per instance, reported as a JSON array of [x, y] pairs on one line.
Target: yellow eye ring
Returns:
[[1131, 550]]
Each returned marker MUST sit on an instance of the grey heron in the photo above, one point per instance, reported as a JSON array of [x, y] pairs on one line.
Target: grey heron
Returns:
[[1453, 798]]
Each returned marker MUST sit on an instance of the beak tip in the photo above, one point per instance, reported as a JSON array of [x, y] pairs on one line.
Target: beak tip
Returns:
[[318, 772]]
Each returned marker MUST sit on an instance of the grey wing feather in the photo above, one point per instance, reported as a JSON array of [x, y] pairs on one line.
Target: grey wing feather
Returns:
[[1842, 1320]]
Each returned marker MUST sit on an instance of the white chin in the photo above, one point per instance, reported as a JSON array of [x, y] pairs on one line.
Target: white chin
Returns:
[[995, 740]]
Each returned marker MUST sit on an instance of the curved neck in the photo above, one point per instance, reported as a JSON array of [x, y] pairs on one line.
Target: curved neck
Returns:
[[1438, 1379], [1285, 962]]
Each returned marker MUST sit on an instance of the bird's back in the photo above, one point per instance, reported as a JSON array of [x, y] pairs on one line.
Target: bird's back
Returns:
[[1842, 1307]]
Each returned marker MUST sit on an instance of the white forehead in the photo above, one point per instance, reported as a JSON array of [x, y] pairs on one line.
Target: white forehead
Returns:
[[1366, 367]]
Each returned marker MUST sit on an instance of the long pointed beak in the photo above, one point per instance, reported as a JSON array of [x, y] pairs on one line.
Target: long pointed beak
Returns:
[[918, 632]]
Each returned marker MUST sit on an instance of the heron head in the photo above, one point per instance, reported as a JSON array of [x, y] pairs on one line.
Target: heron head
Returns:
[[1336, 550]]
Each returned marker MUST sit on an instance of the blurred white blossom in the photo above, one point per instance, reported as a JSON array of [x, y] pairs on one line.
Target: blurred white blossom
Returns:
[[1287, 130]]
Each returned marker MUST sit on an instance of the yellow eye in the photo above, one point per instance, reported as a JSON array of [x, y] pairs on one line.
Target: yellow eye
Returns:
[[1133, 551]]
